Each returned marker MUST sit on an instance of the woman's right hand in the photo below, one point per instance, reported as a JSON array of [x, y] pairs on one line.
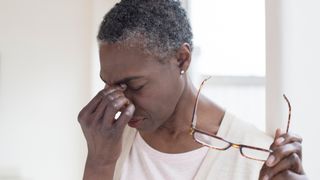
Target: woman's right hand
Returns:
[[102, 132]]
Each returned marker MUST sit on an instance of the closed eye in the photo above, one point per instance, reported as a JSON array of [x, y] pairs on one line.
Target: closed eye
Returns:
[[136, 89]]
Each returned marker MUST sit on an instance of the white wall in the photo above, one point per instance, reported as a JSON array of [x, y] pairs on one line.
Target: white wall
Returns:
[[100, 8], [44, 49], [293, 62], [48, 71]]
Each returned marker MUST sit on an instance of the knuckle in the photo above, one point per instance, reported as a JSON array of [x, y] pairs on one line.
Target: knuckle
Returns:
[[109, 131], [105, 129], [80, 116], [118, 103], [110, 90], [114, 95], [96, 116], [282, 175], [284, 149], [278, 152], [285, 174], [117, 93], [110, 97], [79, 120], [273, 146], [300, 139], [286, 135], [294, 158], [127, 114], [298, 146], [114, 105], [295, 137]]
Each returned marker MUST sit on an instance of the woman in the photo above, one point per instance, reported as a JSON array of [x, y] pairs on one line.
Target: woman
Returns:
[[145, 51]]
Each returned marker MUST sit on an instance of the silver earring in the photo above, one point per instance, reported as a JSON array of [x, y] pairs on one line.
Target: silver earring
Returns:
[[182, 72]]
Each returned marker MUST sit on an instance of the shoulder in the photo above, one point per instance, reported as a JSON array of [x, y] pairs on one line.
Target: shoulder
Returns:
[[230, 164], [239, 131]]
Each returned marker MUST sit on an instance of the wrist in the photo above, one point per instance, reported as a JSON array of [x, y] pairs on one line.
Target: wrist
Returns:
[[99, 161], [98, 171]]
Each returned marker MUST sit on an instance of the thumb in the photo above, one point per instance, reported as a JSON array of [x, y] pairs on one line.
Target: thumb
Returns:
[[278, 133]]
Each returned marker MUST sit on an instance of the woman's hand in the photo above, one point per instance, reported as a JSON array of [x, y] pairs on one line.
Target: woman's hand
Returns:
[[285, 162], [102, 132]]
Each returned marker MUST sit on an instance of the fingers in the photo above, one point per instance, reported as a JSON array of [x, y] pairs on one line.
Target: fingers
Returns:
[[98, 114], [92, 111], [102, 134], [284, 145], [88, 109], [281, 138], [284, 175], [125, 116], [112, 108], [286, 156], [282, 152], [287, 138], [292, 162], [278, 133], [290, 138]]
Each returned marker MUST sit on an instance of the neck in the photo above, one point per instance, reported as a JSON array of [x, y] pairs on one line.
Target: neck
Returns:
[[180, 121], [173, 136]]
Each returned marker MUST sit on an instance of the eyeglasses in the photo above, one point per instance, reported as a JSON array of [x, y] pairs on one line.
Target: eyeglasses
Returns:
[[218, 143]]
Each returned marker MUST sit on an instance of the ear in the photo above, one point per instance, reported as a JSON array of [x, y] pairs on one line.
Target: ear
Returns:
[[183, 57]]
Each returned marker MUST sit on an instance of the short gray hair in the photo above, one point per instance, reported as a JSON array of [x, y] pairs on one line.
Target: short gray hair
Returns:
[[159, 26]]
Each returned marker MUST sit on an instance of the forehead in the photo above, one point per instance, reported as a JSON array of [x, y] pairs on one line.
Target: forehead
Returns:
[[118, 62]]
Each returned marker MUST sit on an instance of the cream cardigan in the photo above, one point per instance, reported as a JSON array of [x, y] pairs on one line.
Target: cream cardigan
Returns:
[[224, 165]]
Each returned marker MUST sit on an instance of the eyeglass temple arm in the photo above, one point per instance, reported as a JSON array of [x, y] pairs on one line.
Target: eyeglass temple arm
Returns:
[[289, 115], [195, 107], [194, 115]]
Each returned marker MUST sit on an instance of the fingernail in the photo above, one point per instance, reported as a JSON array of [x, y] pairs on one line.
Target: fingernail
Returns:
[[270, 160], [123, 86], [279, 140], [266, 177], [130, 110]]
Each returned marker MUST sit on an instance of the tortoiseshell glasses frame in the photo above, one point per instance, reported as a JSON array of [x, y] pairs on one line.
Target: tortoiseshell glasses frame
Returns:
[[207, 139]]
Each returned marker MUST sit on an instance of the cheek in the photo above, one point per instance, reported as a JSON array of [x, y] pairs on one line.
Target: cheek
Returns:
[[157, 104]]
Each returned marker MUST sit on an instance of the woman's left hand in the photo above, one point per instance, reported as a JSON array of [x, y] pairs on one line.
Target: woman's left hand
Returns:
[[285, 162]]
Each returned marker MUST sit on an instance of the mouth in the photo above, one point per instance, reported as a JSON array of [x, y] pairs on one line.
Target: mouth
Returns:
[[134, 122]]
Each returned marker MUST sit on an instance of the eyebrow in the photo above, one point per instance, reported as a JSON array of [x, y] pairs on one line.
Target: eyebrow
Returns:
[[125, 80]]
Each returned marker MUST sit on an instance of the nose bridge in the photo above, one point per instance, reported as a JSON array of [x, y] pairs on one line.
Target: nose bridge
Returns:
[[236, 146], [129, 95]]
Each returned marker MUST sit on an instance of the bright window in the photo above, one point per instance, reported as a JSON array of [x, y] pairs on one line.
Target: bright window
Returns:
[[229, 41], [229, 36]]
